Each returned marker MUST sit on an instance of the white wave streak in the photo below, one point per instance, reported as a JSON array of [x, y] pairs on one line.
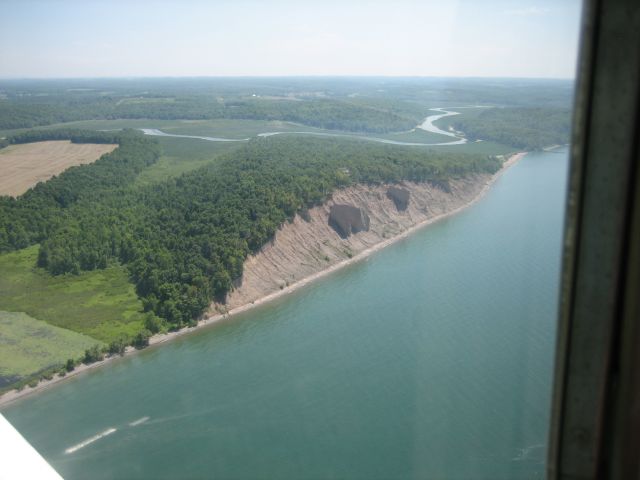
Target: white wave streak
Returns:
[[139, 421], [89, 441], [532, 452]]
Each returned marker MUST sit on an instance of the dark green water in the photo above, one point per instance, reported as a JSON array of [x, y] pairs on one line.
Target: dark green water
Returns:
[[431, 359]]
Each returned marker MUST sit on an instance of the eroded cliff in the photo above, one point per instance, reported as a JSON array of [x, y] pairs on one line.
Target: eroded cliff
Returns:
[[307, 246]]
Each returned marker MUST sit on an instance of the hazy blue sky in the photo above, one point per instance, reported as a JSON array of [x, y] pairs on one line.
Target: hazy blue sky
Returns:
[[85, 38]]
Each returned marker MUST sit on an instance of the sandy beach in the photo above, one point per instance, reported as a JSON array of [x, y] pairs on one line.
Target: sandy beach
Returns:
[[159, 339]]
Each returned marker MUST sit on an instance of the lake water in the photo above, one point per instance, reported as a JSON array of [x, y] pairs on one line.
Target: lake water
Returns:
[[431, 359]]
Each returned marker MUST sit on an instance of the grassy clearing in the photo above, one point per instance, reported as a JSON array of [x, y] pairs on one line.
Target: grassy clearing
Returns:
[[237, 129], [101, 304], [168, 167], [445, 122], [226, 128], [181, 155], [29, 346], [99, 125], [418, 135], [191, 148]]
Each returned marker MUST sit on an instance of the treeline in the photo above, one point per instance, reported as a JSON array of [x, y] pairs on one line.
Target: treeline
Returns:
[[49, 206], [72, 134], [322, 113], [184, 241], [524, 128]]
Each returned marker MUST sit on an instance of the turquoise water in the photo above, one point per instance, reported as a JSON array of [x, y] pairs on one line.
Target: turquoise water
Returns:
[[431, 359]]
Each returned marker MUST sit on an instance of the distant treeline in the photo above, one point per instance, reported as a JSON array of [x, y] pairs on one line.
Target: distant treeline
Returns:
[[74, 135], [525, 128], [184, 241], [321, 113]]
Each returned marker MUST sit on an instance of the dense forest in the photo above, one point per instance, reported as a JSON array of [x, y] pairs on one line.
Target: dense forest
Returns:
[[47, 206], [525, 128], [374, 105], [321, 113], [184, 240]]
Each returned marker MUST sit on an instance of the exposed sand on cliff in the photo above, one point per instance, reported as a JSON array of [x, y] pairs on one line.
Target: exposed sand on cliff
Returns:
[[298, 253], [305, 247], [305, 250]]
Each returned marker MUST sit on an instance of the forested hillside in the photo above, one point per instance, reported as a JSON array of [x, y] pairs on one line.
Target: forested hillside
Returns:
[[143, 239], [184, 240], [525, 128], [34, 215]]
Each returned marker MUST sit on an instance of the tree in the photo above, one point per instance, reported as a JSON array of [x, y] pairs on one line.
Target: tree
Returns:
[[152, 322], [141, 340], [93, 354], [118, 347], [70, 365]]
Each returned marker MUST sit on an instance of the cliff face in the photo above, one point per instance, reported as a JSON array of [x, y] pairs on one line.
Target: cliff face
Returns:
[[307, 246], [400, 197], [348, 219]]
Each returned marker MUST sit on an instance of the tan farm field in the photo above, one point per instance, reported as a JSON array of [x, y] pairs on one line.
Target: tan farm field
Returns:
[[23, 166]]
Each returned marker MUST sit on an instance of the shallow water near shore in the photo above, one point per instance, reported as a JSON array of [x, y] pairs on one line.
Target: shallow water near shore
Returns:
[[430, 359]]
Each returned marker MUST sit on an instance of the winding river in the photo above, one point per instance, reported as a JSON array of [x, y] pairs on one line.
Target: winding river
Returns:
[[426, 125]]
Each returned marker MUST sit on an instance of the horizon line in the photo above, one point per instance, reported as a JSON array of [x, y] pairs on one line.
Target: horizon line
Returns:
[[343, 76]]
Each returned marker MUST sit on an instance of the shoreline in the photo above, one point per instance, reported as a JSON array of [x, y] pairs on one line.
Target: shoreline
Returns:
[[158, 339]]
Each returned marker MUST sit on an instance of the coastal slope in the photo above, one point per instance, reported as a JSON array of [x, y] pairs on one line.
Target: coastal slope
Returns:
[[307, 246]]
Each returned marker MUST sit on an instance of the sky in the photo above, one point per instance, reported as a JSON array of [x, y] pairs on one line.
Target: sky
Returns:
[[134, 38]]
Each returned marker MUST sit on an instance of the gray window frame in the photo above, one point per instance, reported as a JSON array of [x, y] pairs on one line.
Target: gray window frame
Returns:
[[595, 430]]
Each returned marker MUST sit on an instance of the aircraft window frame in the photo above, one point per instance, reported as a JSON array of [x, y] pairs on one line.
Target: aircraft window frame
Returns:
[[595, 413]]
